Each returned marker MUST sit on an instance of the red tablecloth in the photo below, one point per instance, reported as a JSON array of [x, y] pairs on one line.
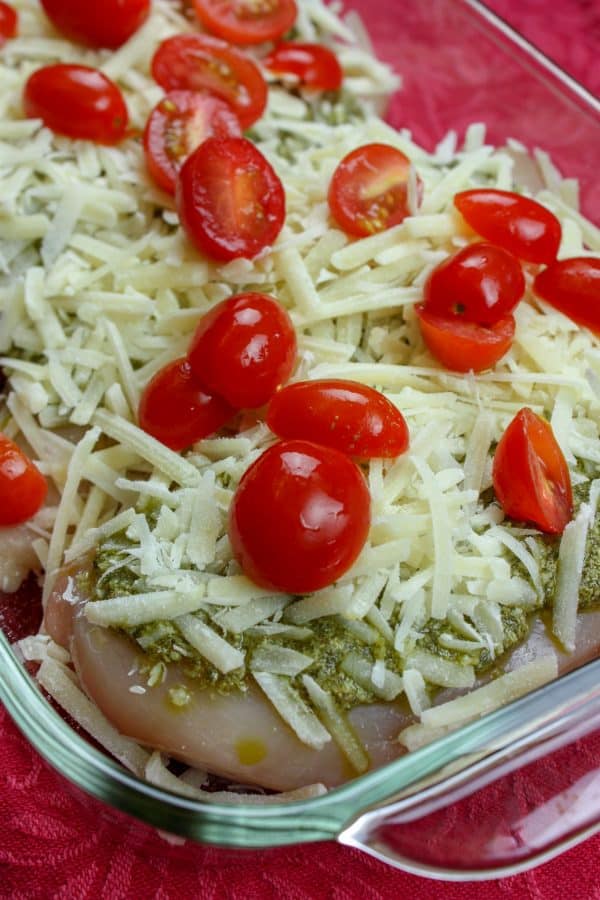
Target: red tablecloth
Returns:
[[52, 846]]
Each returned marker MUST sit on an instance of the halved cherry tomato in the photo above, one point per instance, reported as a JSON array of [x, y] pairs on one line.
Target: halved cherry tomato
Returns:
[[247, 21], [369, 189], [197, 62], [177, 410], [230, 200], [531, 477], [244, 349], [9, 22], [77, 101], [180, 123], [353, 418], [23, 488], [315, 66], [460, 345], [481, 283], [300, 517], [518, 224], [573, 287], [106, 24]]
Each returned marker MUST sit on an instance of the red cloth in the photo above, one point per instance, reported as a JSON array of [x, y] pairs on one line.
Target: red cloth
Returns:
[[54, 846]]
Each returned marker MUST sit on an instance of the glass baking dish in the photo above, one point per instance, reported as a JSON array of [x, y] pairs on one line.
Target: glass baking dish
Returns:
[[454, 809]]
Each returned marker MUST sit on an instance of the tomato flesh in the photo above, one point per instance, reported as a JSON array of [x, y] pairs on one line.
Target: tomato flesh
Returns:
[[230, 200], [464, 346], [23, 488], [518, 224], [177, 126], [573, 287], [244, 349], [300, 517], [247, 21], [531, 477], [9, 22], [351, 417], [197, 62], [481, 283], [106, 24], [177, 410], [369, 190], [77, 101], [314, 65]]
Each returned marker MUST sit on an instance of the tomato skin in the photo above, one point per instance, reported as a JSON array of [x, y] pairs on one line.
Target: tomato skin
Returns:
[[245, 21], [460, 345], [518, 224], [351, 417], [481, 283], [197, 62], [369, 190], [77, 101], [177, 126], [177, 410], [107, 24], [23, 488], [300, 517], [230, 200], [573, 287], [315, 65], [243, 349], [9, 22], [530, 475]]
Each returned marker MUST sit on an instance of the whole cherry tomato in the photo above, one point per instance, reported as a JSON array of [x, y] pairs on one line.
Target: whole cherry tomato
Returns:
[[518, 224], [573, 287], [315, 65], [460, 345], [369, 190], [244, 349], [180, 123], [197, 62], [230, 200], [300, 517], [77, 101], [177, 410], [531, 477], [9, 22], [353, 418], [106, 24], [23, 488], [247, 21], [481, 283]]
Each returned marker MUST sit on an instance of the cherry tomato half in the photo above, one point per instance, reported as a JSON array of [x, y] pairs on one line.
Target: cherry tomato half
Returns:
[[300, 517], [197, 62], [23, 488], [106, 24], [230, 200], [518, 224], [573, 287], [460, 345], [244, 349], [180, 123], [481, 283], [177, 410], [353, 418], [77, 101], [315, 66], [531, 477], [247, 21], [9, 22], [369, 189]]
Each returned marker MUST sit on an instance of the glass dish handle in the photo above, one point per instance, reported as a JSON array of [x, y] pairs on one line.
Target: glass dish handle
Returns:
[[493, 812]]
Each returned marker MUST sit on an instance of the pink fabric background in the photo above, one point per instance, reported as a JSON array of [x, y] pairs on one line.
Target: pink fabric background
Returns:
[[54, 846]]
